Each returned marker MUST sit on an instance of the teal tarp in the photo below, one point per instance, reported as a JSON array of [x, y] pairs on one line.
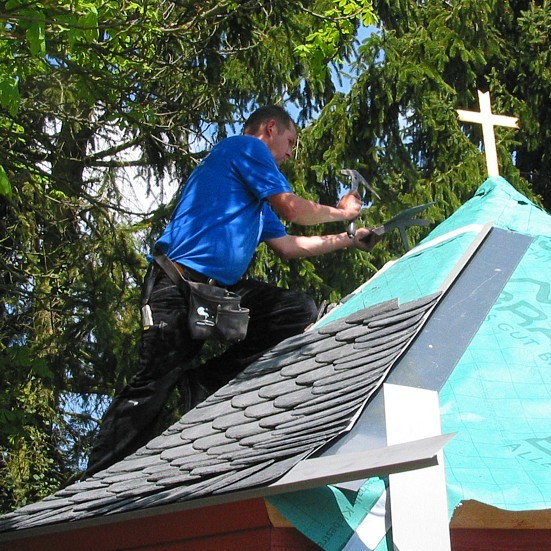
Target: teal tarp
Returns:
[[498, 398]]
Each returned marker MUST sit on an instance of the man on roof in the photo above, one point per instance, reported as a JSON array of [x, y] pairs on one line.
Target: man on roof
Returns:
[[231, 202]]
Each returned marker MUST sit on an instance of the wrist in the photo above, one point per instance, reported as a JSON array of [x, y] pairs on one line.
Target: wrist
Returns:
[[349, 240]]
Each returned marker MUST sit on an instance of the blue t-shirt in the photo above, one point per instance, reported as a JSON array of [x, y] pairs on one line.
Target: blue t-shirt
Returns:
[[223, 213]]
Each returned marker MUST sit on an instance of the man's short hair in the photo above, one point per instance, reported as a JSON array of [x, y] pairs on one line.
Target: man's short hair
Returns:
[[267, 113]]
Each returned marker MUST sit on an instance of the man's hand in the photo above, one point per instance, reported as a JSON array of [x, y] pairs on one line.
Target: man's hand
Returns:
[[365, 239], [350, 204]]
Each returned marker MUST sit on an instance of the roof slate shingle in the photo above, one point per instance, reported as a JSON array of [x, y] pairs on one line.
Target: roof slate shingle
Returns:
[[282, 408]]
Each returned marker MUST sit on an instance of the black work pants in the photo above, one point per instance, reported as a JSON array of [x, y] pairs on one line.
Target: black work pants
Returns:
[[167, 349]]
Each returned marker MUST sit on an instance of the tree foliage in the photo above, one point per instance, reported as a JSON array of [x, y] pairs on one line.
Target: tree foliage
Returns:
[[94, 93], [97, 93]]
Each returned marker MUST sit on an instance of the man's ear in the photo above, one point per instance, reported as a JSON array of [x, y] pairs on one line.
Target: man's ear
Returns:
[[271, 127]]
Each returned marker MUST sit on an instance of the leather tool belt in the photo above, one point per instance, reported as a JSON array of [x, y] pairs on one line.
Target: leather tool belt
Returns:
[[214, 312], [191, 275]]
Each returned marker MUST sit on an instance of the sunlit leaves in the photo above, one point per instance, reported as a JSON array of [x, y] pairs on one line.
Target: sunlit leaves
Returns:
[[5, 186], [9, 94], [340, 19], [36, 34], [86, 27]]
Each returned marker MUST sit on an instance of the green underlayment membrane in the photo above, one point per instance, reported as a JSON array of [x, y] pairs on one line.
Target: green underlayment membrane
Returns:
[[498, 397]]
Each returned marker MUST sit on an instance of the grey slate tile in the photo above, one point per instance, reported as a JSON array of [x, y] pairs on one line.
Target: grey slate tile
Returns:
[[93, 505], [247, 399], [161, 470], [330, 427], [127, 476], [270, 363], [69, 491], [173, 454], [171, 477], [364, 359], [61, 515], [92, 495], [373, 311], [351, 334], [396, 318], [160, 474], [264, 475], [360, 378], [201, 430], [188, 462], [209, 411], [341, 349], [246, 382], [283, 445], [361, 390], [175, 479], [42, 507], [406, 321], [319, 374], [222, 467], [386, 332], [269, 392], [304, 438], [203, 444], [132, 463], [104, 507], [133, 491], [422, 303], [246, 457], [334, 327], [166, 440], [294, 343], [303, 366], [128, 484], [230, 420], [374, 347], [276, 420], [226, 450], [263, 410], [250, 429], [293, 399], [317, 419], [163, 497], [317, 348], [204, 488]]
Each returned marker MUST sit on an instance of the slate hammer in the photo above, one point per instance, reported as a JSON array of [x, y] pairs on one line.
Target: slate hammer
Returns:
[[358, 181]]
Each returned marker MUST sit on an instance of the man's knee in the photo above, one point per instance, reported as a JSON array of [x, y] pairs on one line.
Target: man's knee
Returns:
[[307, 310]]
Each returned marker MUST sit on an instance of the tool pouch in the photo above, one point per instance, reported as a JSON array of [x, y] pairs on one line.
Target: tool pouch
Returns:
[[216, 313]]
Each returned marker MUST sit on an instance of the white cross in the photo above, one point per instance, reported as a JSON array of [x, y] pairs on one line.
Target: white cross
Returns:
[[488, 120]]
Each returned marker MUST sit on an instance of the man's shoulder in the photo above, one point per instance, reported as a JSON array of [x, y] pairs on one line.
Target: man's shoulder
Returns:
[[243, 143]]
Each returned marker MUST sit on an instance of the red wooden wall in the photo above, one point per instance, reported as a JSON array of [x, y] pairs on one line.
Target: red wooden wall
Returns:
[[243, 526]]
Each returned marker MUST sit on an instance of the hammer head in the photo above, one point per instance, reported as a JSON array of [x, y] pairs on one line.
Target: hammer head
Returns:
[[358, 181]]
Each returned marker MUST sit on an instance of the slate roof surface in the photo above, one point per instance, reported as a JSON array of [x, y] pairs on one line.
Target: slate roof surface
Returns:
[[297, 397]]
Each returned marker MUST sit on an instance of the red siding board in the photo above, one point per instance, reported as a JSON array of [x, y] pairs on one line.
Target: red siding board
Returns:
[[290, 539], [496, 539], [243, 526], [247, 540]]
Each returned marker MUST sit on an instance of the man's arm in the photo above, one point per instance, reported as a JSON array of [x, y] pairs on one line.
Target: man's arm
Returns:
[[301, 211], [301, 246]]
